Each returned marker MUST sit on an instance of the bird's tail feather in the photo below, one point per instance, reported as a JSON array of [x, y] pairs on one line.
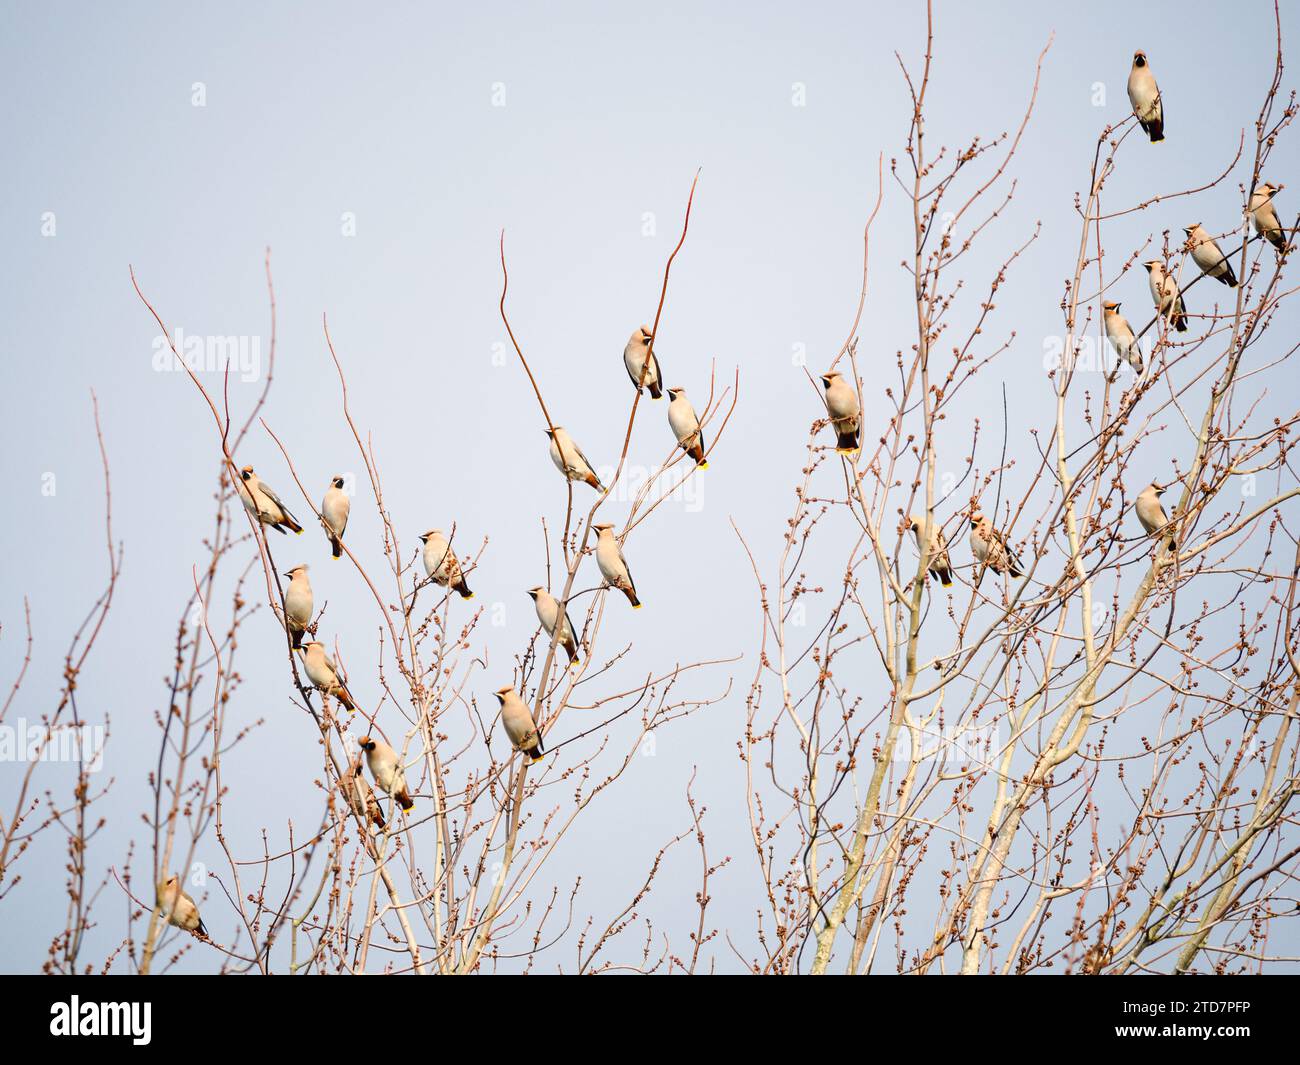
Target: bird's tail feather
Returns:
[[846, 442]]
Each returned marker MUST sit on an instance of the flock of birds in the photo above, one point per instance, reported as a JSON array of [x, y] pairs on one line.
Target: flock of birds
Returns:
[[989, 546], [443, 568]]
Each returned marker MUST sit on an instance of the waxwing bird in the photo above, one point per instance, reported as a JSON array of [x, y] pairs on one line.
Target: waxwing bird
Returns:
[[386, 768], [518, 723], [440, 564], [261, 501], [360, 798], [612, 564], [939, 566], [1165, 295], [570, 460], [1207, 255], [685, 425], [846, 414], [1151, 512], [1120, 335], [298, 604], [990, 547], [634, 358], [178, 908], [322, 672], [334, 513], [1264, 215], [1144, 95], [551, 614]]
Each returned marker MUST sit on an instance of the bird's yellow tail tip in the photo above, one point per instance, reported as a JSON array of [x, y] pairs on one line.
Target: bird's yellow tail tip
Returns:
[[702, 466], [946, 584], [637, 606]]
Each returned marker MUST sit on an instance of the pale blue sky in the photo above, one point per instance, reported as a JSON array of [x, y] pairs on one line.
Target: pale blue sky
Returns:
[[314, 110]]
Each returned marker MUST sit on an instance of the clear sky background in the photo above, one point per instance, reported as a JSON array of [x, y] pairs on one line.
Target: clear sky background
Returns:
[[387, 113]]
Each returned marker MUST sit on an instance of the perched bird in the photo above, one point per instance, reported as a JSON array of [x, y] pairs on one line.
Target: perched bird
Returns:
[[550, 614], [386, 768], [1144, 95], [612, 564], [990, 547], [1165, 295], [634, 358], [261, 501], [1151, 512], [570, 460], [360, 798], [1264, 215], [334, 512], [937, 549], [519, 724], [685, 425], [440, 564], [846, 414], [298, 604], [322, 672], [1207, 255], [1120, 335], [178, 908]]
